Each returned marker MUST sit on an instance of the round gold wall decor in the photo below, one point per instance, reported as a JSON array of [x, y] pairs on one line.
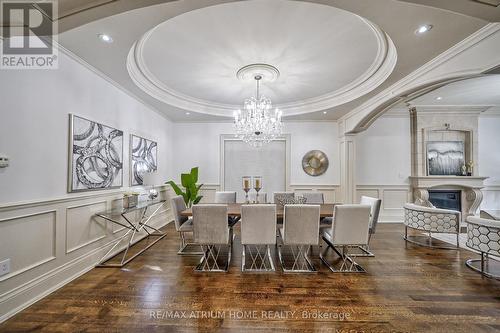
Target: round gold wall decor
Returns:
[[315, 163]]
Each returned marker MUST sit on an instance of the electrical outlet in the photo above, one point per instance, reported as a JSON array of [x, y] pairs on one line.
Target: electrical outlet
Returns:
[[4, 267]]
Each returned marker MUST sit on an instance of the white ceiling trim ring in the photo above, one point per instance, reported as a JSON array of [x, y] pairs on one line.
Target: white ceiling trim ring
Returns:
[[378, 71]]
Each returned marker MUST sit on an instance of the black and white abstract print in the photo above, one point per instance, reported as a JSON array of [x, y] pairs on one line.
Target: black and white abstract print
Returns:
[[445, 158], [143, 158], [97, 156]]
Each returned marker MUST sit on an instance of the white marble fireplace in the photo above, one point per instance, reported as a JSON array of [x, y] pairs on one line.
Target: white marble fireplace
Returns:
[[442, 125]]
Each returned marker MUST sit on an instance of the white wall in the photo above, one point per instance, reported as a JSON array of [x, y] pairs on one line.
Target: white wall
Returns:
[[383, 152], [383, 164], [50, 236], [489, 159], [34, 126], [198, 144]]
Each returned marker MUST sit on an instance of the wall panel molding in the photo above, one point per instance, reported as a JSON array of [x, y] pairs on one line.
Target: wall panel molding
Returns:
[[393, 198], [21, 240], [69, 258]]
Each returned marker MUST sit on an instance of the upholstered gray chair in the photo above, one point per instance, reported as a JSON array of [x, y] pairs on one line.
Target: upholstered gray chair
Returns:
[[315, 198], [375, 205], [288, 196], [258, 231], [300, 232], [212, 233], [252, 196], [431, 220], [183, 225], [350, 229], [483, 235], [227, 197]]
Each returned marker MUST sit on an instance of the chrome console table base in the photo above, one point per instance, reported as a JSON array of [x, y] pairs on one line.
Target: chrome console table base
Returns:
[[133, 229]]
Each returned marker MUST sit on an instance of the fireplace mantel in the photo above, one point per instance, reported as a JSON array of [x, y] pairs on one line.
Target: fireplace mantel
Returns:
[[469, 185], [428, 182]]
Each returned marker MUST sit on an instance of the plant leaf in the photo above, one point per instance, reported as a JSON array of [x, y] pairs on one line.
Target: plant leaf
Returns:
[[176, 188], [194, 175], [197, 199], [186, 179]]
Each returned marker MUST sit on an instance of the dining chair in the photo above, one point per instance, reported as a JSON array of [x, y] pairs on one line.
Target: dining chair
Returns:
[[183, 225], [227, 197], [287, 196], [212, 233], [316, 198], [252, 196], [258, 232], [350, 229], [375, 205], [300, 232]]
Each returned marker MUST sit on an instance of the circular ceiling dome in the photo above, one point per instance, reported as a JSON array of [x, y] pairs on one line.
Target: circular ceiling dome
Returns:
[[325, 56]]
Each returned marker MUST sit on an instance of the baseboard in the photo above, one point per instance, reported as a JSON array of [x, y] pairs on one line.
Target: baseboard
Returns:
[[22, 297]]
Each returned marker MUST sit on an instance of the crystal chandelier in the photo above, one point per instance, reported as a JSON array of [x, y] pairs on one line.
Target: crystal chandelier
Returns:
[[256, 124]]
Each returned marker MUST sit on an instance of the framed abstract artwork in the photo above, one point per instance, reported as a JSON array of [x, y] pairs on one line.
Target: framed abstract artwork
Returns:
[[143, 158], [445, 158], [95, 156]]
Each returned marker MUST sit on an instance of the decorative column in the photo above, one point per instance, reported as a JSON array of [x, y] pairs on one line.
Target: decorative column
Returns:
[[348, 168]]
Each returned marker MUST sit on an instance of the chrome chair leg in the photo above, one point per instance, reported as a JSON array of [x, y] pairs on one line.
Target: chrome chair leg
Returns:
[[348, 265], [301, 260], [365, 250], [183, 246], [209, 262], [261, 260]]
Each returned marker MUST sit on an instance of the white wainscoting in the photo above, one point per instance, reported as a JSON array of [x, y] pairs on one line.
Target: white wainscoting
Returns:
[[393, 199], [52, 242]]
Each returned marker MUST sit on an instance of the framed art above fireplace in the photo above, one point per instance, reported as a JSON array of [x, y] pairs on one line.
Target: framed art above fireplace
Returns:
[[445, 158]]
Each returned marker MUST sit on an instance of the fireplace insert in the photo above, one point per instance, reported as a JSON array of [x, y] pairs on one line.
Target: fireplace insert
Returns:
[[446, 199]]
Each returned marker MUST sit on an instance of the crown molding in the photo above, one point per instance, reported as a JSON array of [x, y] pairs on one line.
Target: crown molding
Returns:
[[361, 113], [379, 71]]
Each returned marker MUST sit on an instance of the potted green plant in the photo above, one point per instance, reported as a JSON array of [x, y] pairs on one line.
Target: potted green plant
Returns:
[[191, 189]]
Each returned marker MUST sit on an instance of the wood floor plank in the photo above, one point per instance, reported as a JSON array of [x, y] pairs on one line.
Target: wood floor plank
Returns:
[[407, 289]]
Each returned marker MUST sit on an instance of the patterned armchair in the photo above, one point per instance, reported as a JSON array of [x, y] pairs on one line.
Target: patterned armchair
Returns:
[[431, 220], [483, 235]]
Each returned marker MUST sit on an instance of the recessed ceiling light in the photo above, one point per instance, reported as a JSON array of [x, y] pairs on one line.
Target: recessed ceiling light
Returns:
[[324, 112], [188, 113], [439, 98], [423, 29], [105, 38]]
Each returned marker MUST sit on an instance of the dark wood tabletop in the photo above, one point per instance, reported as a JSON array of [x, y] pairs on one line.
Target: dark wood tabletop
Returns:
[[326, 210]]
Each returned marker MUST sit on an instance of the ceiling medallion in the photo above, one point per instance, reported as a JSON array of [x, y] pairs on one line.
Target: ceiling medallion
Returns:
[[256, 124], [315, 163]]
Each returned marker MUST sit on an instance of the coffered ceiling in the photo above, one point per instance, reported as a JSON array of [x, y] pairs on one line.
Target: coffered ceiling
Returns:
[[182, 56]]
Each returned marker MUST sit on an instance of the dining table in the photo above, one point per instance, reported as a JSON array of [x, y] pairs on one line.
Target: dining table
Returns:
[[234, 209]]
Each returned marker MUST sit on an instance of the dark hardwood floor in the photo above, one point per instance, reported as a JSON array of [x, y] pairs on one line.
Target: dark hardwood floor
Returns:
[[407, 289]]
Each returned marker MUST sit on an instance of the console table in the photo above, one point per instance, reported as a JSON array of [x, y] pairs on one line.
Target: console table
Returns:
[[135, 219]]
